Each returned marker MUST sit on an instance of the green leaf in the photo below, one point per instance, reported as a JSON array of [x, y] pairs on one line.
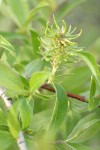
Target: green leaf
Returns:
[[6, 140], [35, 42], [25, 82], [66, 7], [12, 35], [66, 146], [10, 79], [82, 122], [12, 120], [43, 96], [4, 127], [19, 10], [71, 119], [37, 79], [81, 147], [40, 120], [20, 115], [6, 45], [33, 12], [85, 129], [3, 118], [25, 114], [93, 87], [19, 68], [90, 61], [93, 103], [60, 108], [33, 66], [78, 106]]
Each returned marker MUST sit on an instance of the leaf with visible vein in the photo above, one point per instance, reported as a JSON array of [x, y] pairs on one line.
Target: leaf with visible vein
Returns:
[[60, 108], [93, 87], [37, 79], [90, 61], [6, 140], [33, 12], [6, 45], [85, 129], [11, 80]]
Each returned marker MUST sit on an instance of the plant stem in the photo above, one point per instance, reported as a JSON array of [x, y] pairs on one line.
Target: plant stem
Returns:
[[51, 79], [69, 94], [20, 141], [78, 97]]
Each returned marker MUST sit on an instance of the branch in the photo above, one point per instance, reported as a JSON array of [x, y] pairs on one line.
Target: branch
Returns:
[[20, 141], [78, 97]]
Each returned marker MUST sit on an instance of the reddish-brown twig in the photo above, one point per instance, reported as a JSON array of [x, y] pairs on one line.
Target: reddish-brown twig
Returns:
[[78, 97]]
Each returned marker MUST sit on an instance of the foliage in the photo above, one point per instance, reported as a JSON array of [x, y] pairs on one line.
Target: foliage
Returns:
[[41, 66]]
